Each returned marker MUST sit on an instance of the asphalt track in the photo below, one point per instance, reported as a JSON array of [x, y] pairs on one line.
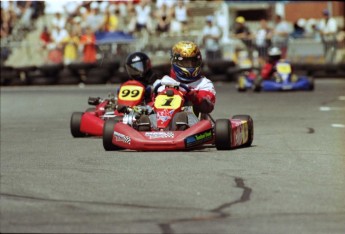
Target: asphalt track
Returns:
[[292, 180]]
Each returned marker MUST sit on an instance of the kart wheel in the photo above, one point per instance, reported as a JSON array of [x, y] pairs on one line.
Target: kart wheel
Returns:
[[144, 124], [223, 134], [250, 127], [108, 133], [75, 124], [311, 84], [180, 121], [241, 84], [257, 85]]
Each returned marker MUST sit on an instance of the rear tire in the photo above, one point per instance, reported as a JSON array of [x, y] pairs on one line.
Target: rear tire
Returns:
[[75, 124], [241, 84], [108, 133], [181, 117], [250, 127], [311, 84], [223, 134], [257, 85]]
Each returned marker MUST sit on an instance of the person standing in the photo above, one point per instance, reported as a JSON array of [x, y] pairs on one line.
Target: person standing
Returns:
[[88, 41], [263, 40], [328, 29], [211, 36], [281, 35]]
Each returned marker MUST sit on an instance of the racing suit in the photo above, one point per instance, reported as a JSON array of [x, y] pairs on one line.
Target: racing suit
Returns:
[[202, 94], [268, 70]]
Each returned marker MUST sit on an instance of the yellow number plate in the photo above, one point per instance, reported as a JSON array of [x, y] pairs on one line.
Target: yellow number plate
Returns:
[[284, 68], [130, 93], [165, 102]]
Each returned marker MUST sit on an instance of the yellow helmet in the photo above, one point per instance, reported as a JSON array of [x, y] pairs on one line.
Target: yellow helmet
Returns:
[[186, 61], [240, 19]]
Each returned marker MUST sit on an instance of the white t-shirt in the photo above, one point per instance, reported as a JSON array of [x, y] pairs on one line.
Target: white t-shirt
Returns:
[[281, 27], [260, 38], [143, 14], [168, 3], [211, 44], [59, 35], [329, 27], [181, 13], [59, 22]]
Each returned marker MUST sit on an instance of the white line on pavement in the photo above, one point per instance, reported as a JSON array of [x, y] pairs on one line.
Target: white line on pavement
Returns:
[[338, 125], [327, 108]]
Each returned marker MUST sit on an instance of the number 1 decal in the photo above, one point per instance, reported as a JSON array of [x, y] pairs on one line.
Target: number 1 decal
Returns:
[[168, 102]]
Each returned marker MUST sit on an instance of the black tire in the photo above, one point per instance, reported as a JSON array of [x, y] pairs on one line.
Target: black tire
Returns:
[[75, 124], [311, 82], [257, 85], [144, 124], [223, 134], [108, 133], [241, 84], [250, 128], [179, 117]]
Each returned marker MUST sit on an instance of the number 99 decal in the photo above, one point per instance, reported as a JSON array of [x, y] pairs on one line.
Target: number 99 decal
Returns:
[[130, 93]]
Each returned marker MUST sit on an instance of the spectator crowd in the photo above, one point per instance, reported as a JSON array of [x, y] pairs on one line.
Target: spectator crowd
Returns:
[[70, 34]]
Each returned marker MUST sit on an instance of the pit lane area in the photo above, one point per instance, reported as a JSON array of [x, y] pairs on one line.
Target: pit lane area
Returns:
[[292, 179]]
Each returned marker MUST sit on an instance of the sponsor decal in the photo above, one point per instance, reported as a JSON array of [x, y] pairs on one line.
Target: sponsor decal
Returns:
[[155, 135], [287, 87], [164, 115], [238, 135], [199, 138], [245, 131], [241, 133], [120, 137]]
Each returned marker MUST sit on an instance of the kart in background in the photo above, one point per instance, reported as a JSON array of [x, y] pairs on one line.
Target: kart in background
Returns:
[[172, 125], [283, 79], [90, 122]]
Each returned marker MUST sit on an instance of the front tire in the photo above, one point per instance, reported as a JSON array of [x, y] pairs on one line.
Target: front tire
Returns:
[[75, 124], [108, 133], [223, 134], [250, 128]]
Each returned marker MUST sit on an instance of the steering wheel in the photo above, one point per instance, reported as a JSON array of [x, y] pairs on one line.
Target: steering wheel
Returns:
[[185, 87]]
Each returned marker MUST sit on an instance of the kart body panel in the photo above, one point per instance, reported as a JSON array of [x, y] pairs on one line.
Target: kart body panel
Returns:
[[131, 93]]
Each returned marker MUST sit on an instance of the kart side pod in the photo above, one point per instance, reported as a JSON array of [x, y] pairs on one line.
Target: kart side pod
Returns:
[[233, 133]]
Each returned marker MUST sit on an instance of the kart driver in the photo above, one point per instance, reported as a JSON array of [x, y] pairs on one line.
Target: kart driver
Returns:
[[139, 68], [269, 69], [186, 64], [274, 55]]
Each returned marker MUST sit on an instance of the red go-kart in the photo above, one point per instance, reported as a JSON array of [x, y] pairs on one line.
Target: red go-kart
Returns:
[[90, 122], [172, 125]]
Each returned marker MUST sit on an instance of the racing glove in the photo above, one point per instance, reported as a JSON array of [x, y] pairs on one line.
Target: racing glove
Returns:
[[205, 106], [202, 100]]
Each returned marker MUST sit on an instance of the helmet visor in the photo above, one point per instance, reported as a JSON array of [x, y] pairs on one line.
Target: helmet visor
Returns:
[[188, 62], [138, 66]]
